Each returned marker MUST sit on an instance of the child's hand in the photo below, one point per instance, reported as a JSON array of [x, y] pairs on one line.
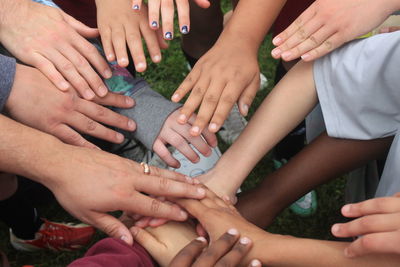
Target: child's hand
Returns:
[[226, 74], [120, 27], [178, 136], [378, 226], [167, 13]]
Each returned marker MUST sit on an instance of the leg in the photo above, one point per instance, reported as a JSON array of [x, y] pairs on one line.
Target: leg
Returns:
[[321, 161]]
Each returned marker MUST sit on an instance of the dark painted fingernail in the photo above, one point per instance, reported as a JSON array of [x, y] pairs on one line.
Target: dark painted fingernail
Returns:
[[136, 7], [168, 35], [154, 24], [185, 30]]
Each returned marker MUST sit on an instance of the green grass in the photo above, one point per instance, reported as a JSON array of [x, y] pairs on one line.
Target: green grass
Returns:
[[165, 78]]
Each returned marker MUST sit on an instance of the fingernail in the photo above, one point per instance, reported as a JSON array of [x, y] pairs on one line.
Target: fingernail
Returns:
[[107, 74], [154, 24], [183, 215], [201, 239], [195, 129], [168, 35], [123, 61], [305, 56], [245, 108], [286, 54], [201, 191], [129, 101], [244, 241], [213, 127], [346, 209], [103, 90], [276, 40], [120, 137], [125, 238], [131, 125], [182, 118], [135, 7], [348, 253], [140, 66], [335, 229], [185, 30], [276, 52], [156, 58], [110, 57], [175, 97], [255, 263], [89, 94], [233, 231], [64, 85]]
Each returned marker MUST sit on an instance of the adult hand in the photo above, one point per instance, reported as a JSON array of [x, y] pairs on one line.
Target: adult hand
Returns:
[[219, 79], [89, 183], [119, 27], [327, 24], [54, 42], [178, 136], [167, 13], [62, 114], [377, 226]]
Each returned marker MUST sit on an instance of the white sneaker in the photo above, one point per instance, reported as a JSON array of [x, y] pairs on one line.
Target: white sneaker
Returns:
[[233, 126]]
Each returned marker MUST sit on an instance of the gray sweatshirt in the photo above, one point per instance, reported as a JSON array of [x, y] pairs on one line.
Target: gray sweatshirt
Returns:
[[7, 73]]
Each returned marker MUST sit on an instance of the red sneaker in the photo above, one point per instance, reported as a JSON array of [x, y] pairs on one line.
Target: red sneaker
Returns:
[[56, 236]]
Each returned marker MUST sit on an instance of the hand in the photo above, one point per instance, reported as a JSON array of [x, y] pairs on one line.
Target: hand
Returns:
[[214, 181], [377, 226], [90, 183], [167, 12], [63, 113], [178, 136], [54, 42], [226, 73], [119, 27], [327, 24]]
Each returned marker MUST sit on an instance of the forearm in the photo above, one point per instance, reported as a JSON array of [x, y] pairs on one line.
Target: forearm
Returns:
[[251, 21], [288, 104]]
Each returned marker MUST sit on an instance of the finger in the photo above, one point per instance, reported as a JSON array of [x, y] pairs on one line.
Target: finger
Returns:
[[198, 142], [154, 13], [389, 29], [186, 85], [326, 47], [134, 40], [177, 141], [368, 224], [229, 97], [193, 102], [374, 243], [196, 208], [300, 21], [161, 41], [69, 136], [119, 44], [136, 5], [210, 137], [237, 254], [200, 230], [145, 239], [143, 222], [49, 70], [161, 186], [85, 125], [90, 52], [162, 151], [111, 226], [167, 17], [85, 69], [81, 28], [217, 249], [106, 40], [248, 95], [105, 115], [115, 100], [156, 222], [372, 206], [255, 263], [188, 254], [183, 15], [202, 3], [176, 176], [152, 44]]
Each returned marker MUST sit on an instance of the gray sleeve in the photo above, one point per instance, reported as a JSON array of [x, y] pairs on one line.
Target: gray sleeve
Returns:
[[7, 73], [150, 112]]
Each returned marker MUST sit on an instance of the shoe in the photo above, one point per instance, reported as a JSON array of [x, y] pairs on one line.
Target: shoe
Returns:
[[307, 204], [56, 237], [233, 126]]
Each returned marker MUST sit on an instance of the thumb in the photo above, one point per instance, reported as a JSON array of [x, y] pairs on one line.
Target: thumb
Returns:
[[81, 28], [111, 226], [203, 3], [145, 239]]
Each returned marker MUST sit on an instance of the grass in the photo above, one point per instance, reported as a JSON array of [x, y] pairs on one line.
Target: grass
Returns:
[[164, 78]]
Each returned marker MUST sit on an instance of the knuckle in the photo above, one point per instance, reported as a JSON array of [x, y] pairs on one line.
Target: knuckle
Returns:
[[301, 33], [313, 40], [164, 184], [91, 125], [67, 66], [328, 45], [229, 99], [155, 206], [91, 49], [198, 91], [211, 99], [224, 262], [101, 111]]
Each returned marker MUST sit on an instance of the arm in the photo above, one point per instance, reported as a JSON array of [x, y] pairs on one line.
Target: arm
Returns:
[[291, 100], [229, 70]]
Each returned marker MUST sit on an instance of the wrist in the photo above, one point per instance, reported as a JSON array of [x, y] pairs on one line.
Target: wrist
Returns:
[[240, 39], [10, 9]]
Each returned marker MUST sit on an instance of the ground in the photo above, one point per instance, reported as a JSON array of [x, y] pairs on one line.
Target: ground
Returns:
[[165, 77]]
